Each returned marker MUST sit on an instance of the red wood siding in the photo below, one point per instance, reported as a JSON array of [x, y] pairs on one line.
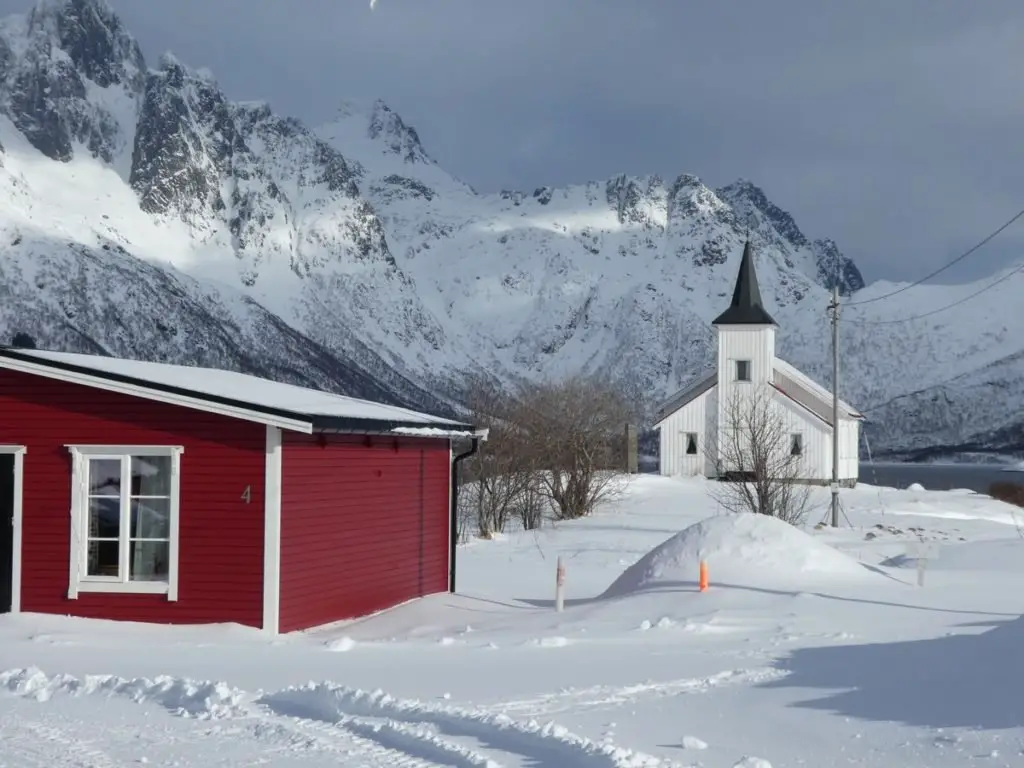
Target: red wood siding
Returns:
[[220, 563], [362, 528]]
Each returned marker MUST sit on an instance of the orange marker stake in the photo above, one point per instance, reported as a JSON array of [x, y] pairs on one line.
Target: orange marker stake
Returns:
[[703, 575]]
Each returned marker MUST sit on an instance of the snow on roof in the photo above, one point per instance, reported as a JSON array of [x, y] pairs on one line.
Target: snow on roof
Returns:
[[814, 387], [241, 388]]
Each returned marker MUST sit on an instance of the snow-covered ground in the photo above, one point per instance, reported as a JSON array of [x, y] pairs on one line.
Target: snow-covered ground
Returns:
[[816, 649]]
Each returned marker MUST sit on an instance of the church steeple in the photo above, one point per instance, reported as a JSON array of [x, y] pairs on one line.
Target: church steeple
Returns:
[[746, 307]]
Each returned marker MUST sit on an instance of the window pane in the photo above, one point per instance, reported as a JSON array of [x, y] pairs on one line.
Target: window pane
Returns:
[[104, 477], [151, 475], [151, 519], [148, 560], [104, 518], [103, 558]]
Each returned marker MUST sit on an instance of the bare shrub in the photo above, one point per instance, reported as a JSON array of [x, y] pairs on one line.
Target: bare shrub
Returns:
[[553, 452], [1010, 492], [573, 429], [754, 458], [503, 471]]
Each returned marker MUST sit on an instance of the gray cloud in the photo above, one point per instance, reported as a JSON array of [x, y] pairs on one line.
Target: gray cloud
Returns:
[[891, 127]]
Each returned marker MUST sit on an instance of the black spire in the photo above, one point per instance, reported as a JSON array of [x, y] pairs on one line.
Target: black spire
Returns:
[[746, 307]]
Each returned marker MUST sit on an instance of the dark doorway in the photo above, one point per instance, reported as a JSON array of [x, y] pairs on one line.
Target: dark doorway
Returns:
[[6, 529]]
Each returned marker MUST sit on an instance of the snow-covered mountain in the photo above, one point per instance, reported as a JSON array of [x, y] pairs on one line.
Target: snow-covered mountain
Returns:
[[147, 215]]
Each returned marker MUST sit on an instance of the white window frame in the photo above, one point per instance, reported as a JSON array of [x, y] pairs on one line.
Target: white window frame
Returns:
[[686, 444], [79, 581], [796, 440]]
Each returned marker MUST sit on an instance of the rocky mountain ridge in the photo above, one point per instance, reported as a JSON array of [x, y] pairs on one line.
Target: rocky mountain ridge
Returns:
[[346, 257]]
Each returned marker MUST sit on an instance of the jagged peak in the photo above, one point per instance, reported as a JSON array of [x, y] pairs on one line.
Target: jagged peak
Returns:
[[43, 8], [748, 200], [688, 180], [93, 37], [168, 60], [178, 74], [401, 138], [205, 74]]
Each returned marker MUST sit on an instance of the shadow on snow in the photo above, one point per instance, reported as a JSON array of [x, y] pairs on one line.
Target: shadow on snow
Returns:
[[966, 681]]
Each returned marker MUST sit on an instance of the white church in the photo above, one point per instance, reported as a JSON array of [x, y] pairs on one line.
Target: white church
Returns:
[[693, 422]]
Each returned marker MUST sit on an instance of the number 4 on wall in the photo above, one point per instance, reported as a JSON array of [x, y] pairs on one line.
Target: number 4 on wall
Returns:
[[247, 494]]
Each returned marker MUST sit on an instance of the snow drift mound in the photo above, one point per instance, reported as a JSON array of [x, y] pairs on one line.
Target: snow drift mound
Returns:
[[740, 549]]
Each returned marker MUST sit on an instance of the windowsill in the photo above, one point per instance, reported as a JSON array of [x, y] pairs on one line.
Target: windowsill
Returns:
[[129, 588]]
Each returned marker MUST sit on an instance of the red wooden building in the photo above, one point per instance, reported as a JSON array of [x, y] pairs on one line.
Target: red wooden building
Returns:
[[160, 493]]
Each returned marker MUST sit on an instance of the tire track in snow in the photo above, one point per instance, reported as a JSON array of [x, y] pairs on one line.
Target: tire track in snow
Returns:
[[368, 729], [37, 744], [542, 746], [603, 696], [364, 745]]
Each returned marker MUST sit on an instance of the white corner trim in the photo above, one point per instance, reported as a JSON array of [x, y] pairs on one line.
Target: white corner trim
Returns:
[[75, 543], [452, 532], [77, 581], [147, 393], [17, 515], [272, 533]]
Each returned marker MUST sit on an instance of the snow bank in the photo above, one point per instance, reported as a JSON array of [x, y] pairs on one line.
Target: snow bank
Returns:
[[739, 549], [203, 700]]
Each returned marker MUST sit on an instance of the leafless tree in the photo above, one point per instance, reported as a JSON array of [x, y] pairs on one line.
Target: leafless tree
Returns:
[[574, 429], [504, 472], [554, 451], [759, 459]]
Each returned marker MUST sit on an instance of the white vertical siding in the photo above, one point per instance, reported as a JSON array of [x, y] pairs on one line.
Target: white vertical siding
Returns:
[[816, 460], [849, 445], [691, 418], [710, 429], [742, 342]]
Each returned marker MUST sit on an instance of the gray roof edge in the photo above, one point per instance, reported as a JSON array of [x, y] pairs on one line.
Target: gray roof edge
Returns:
[[688, 394]]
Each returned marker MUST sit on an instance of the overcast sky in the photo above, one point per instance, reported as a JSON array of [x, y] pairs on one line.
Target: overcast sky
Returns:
[[894, 127]]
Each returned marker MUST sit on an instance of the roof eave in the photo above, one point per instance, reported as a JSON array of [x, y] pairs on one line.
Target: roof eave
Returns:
[[353, 426], [760, 318], [165, 393]]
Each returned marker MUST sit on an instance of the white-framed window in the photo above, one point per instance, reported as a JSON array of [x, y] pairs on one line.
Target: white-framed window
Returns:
[[796, 444], [125, 504], [742, 370], [691, 443]]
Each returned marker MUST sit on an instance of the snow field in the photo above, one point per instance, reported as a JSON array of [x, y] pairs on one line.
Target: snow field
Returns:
[[808, 649]]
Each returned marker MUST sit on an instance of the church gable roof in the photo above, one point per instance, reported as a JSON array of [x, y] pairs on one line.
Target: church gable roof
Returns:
[[687, 395], [808, 393], [786, 379], [746, 307]]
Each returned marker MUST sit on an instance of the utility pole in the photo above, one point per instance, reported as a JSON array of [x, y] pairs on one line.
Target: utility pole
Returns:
[[834, 307]]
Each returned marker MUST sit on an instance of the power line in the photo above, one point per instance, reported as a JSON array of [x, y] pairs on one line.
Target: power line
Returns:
[[957, 303], [957, 260]]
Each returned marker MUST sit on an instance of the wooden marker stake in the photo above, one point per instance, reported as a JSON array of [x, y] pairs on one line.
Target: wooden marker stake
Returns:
[[559, 586]]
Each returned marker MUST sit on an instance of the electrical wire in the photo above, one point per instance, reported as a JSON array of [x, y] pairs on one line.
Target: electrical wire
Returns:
[[957, 303], [942, 269]]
